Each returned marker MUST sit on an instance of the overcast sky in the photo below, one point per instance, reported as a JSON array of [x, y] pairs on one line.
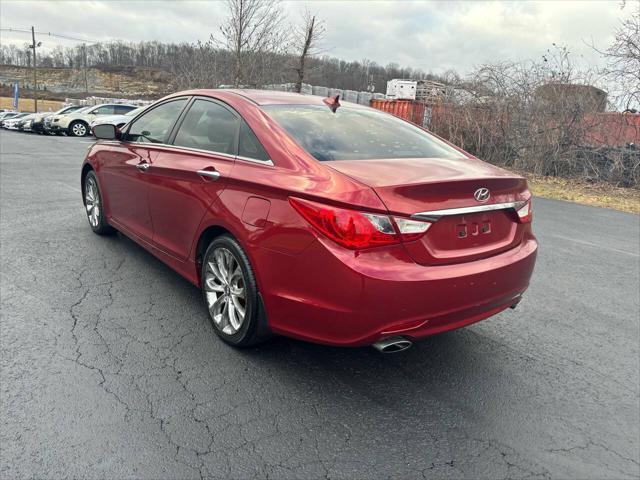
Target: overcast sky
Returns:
[[431, 35]]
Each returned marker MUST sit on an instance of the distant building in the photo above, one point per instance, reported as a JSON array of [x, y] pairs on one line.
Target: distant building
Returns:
[[401, 89]]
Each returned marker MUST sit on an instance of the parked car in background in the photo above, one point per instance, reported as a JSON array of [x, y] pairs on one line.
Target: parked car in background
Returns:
[[295, 215], [51, 122], [76, 123], [11, 123], [117, 120], [39, 122], [7, 115], [25, 123]]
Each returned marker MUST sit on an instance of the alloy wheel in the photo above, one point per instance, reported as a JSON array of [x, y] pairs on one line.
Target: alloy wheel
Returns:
[[225, 290], [79, 130], [92, 202]]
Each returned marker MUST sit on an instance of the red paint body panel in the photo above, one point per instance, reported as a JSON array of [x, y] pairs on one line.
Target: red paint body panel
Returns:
[[312, 288]]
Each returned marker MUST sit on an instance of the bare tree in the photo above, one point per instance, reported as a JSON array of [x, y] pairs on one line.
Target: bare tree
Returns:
[[623, 56], [538, 116], [253, 31], [307, 37]]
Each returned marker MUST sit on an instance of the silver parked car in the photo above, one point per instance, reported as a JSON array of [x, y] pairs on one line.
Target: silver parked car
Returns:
[[12, 122]]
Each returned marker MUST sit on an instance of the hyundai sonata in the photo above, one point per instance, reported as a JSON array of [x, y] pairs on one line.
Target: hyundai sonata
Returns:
[[296, 215]]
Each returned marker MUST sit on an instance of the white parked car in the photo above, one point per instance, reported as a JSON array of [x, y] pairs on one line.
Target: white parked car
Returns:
[[77, 123], [43, 120], [7, 115], [117, 120], [12, 123]]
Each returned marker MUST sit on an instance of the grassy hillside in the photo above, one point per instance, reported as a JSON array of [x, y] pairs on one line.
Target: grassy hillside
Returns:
[[115, 82]]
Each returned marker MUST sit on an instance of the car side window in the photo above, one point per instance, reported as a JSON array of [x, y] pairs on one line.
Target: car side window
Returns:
[[122, 109], [249, 146], [156, 124], [104, 110], [208, 126]]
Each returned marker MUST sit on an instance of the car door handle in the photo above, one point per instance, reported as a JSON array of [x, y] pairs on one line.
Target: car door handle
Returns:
[[212, 174], [143, 166]]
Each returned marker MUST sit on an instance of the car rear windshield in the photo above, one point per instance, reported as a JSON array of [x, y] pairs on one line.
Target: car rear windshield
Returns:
[[356, 134]]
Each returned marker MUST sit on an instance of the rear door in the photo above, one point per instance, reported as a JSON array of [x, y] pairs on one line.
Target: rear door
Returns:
[[187, 177], [124, 168]]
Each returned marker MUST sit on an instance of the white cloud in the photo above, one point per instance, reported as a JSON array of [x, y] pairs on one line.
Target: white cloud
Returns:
[[430, 35]]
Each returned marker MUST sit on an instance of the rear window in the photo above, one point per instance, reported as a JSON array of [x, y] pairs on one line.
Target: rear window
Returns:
[[356, 134]]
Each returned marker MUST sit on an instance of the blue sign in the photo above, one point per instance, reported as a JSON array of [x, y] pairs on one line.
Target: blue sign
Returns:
[[16, 95]]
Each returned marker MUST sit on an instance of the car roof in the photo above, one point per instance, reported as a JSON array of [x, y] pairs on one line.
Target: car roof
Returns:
[[268, 97]]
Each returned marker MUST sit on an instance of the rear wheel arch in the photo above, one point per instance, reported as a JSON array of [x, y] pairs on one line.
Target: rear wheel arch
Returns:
[[207, 236]]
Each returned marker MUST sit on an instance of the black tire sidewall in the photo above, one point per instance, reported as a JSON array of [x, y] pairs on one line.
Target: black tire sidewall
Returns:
[[103, 227], [245, 336]]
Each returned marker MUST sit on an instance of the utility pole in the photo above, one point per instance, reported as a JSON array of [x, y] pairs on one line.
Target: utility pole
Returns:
[[35, 69]]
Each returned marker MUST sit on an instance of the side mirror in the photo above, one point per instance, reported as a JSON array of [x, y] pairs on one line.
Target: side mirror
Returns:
[[105, 131]]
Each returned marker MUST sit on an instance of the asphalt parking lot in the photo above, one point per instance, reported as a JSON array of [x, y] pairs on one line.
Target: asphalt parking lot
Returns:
[[110, 369]]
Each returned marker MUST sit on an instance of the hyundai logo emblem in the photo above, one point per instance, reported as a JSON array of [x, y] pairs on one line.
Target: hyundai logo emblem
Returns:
[[482, 194]]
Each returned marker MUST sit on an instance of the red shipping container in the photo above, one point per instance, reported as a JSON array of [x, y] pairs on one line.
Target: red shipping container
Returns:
[[407, 109]]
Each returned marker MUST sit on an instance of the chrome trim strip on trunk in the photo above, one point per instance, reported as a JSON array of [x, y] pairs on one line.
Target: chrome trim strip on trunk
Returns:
[[435, 215]]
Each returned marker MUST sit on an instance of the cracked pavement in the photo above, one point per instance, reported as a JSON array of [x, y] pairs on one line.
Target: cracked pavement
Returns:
[[109, 367]]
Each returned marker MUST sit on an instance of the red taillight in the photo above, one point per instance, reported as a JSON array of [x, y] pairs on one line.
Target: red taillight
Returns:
[[525, 213], [355, 230]]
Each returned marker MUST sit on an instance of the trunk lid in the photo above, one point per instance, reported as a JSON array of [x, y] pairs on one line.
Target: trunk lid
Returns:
[[411, 186]]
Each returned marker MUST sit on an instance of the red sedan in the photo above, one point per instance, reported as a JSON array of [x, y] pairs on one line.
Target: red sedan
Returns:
[[296, 215]]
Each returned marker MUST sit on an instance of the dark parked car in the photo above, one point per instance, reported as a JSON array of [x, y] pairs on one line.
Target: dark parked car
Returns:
[[335, 224], [26, 122]]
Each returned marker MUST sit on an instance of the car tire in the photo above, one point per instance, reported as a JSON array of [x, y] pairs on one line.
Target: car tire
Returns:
[[228, 287], [93, 205], [78, 129]]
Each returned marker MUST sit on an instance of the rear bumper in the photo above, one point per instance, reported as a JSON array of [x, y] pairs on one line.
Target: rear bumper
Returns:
[[338, 297]]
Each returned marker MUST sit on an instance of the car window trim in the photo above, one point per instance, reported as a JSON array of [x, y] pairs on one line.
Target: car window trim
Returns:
[[153, 107], [238, 117], [268, 162], [190, 100], [257, 140], [225, 156]]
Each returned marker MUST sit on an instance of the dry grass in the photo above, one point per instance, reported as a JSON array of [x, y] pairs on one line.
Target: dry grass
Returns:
[[26, 104], [595, 194]]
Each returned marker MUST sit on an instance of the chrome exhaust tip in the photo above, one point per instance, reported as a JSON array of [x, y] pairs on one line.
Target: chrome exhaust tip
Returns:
[[392, 344]]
